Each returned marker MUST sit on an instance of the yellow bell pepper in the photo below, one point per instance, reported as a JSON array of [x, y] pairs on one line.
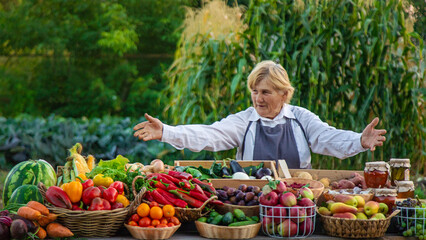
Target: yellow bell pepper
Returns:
[[82, 176], [74, 190], [122, 199], [100, 180]]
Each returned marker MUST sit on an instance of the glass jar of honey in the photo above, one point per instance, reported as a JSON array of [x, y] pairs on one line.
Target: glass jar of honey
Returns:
[[405, 189], [385, 195], [400, 169], [376, 174]]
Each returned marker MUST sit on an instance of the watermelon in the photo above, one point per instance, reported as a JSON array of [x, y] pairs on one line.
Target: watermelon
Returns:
[[24, 194], [29, 172]]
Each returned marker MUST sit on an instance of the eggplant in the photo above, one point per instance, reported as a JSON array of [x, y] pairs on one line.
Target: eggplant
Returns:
[[236, 167], [263, 172], [226, 172]]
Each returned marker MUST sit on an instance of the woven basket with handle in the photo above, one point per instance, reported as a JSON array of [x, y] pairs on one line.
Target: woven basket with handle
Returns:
[[356, 228], [183, 214], [104, 223]]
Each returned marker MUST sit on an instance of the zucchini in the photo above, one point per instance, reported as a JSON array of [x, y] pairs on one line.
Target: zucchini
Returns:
[[243, 223], [228, 218], [236, 167]]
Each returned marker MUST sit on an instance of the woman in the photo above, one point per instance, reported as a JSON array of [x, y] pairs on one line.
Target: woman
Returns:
[[270, 130]]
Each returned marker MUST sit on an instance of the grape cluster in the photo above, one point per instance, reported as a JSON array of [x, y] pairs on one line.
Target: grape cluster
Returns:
[[412, 218], [243, 196]]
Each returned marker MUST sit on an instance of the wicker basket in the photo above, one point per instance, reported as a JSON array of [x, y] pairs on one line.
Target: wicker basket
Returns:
[[151, 233], [356, 228], [248, 210], [223, 232], [103, 223], [316, 186], [183, 214]]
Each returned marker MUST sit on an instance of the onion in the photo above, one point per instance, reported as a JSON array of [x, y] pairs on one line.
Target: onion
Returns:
[[158, 166]]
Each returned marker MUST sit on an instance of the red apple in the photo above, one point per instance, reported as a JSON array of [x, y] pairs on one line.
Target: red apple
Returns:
[[278, 213], [297, 214], [288, 199], [268, 225], [306, 202], [306, 193], [281, 187], [270, 199], [306, 227], [287, 228]]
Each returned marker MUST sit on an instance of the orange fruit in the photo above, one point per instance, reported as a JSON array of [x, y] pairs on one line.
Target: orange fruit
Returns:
[[151, 226], [163, 221], [155, 222], [168, 210], [143, 210], [156, 213], [174, 220]]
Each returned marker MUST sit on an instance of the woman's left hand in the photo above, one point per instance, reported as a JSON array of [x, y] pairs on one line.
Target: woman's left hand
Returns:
[[371, 137]]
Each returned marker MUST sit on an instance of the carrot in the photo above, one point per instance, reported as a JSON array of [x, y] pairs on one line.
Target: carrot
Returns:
[[44, 220], [39, 207], [41, 233], [56, 230], [29, 213]]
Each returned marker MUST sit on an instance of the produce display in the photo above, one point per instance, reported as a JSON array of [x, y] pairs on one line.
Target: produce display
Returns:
[[243, 196], [412, 218]]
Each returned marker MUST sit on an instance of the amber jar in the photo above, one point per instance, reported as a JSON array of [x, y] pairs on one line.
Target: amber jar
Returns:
[[400, 169], [385, 195], [376, 174], [405, 189]]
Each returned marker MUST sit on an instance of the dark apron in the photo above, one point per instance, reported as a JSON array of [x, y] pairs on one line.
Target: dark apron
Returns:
[[274, 143]]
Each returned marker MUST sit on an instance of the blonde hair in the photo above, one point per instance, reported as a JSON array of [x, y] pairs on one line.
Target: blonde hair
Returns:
[[275, 74]]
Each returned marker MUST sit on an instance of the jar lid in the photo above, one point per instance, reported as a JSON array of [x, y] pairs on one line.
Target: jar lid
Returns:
[[380, 166], [400, 162], [405, 184], [385, 192]]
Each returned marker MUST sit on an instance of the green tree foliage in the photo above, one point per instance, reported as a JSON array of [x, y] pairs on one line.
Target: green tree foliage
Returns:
[[348, 60]]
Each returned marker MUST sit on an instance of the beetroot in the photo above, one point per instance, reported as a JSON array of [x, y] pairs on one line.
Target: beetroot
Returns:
[[4, 232], [18, 229]]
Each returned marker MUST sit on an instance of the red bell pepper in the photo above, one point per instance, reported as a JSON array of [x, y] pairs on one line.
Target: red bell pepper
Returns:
[[172, 199], [159, 198], [58, 197], [88, 183], [117, 205], [90, 194], [110, 194], [107, 205], [180, 175], [102, 189], [204, 186], [96, 204], [185, 197], [119, 186]]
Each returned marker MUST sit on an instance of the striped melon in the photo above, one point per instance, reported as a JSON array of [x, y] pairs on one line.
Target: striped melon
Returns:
[[24, 194], [29, 172]]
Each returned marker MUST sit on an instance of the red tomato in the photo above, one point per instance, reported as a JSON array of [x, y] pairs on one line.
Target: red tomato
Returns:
[[135, 217], [161, 226], [170, 224], [145, 222], [153, 204], [133, 223]]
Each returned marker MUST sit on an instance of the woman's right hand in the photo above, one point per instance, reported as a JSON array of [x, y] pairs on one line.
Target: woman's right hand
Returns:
[[149, 130]]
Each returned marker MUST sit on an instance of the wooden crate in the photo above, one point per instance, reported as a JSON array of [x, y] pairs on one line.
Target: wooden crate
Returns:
[[219, 183]]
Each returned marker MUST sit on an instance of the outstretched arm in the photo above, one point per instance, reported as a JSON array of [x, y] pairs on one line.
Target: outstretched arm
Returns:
[[149, 130], [372, 137]]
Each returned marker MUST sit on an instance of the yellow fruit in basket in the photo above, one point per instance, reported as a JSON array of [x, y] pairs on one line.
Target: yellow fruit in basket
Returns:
[[304, 175], [143, 210], [325, 181]]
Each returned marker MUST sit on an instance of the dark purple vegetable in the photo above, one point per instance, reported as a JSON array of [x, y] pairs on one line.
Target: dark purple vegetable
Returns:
[[240, 196], [242, 203], [4, 232], [225, 188], [249, 196], [231, 192], [4, 213], [235, 167], [31, 227], [249, 189], [233, 200], [222, 195], [242, 187], [263, 172], [6, 220], [18, 229]]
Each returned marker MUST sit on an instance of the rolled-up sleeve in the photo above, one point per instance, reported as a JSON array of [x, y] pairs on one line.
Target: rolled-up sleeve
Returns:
[[222, 135]]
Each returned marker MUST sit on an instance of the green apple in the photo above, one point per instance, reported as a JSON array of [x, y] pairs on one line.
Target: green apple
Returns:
[[383, 208], [378, 216], [360, 215]]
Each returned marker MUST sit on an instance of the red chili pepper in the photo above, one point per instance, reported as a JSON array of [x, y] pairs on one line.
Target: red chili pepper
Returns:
[[56, 196], [207, 194], [197, 195], [119, 186], [159, 198], [148, 197], [180, 175], [190, 200], [89, 194], [185, 184], [205, 186], [96, 204], [158, 184], [197, 188], [170, 186], [168, 179], [110, 194], [216, 202], [172, 199]]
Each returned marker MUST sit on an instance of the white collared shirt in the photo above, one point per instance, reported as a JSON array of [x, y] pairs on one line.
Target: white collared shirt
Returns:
[[228, 133]]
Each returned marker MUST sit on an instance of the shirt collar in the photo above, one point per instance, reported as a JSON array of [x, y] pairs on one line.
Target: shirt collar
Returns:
[[285, 112]]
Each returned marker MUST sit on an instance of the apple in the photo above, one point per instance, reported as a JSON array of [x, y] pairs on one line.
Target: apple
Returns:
[[270, 199], [360, 200], [306, 202], [371, 208], [287, 228], [378, 216], [268, 225], [330, 203], [306, 193], [297, 214], [360, 215], [306, 227], [288, 199], [278, 213], [281, 187], [383, 208]]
